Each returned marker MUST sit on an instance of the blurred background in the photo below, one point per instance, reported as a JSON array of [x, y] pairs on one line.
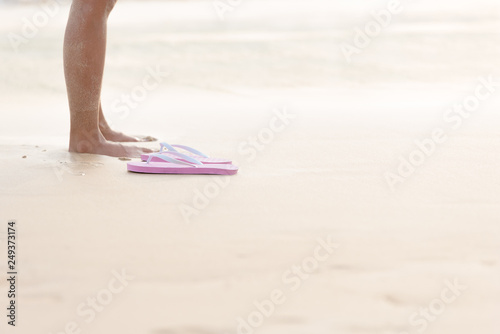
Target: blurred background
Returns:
[[430, 53]]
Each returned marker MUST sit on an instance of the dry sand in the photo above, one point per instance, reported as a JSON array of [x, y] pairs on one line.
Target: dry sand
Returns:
[[80, 218]]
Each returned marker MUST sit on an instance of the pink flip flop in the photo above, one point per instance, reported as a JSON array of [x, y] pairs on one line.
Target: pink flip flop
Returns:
[[170, 165], [169, 150]]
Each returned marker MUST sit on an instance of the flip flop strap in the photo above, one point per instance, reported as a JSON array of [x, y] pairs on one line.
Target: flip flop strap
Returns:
[[185, 157], [192, 161], [184, 147]]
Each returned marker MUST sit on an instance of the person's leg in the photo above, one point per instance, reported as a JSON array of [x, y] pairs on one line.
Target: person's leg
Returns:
[[84, 54], [113, 135]]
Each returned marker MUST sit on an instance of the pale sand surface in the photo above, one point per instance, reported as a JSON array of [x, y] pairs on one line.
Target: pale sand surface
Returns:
[[81, 217]]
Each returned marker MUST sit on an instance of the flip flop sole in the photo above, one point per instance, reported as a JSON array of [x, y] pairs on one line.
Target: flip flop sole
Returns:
[[217, 161], [170, 168]]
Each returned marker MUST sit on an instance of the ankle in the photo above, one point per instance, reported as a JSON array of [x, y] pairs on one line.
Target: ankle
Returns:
[[85, 141]]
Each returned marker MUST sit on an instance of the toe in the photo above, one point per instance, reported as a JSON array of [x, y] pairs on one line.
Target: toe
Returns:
[[147, 139]]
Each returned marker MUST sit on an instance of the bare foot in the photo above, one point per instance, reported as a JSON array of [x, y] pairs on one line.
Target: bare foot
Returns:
[[98, 144], [116, 136]]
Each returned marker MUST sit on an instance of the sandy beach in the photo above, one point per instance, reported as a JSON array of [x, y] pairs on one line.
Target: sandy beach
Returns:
[[368, 195]]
